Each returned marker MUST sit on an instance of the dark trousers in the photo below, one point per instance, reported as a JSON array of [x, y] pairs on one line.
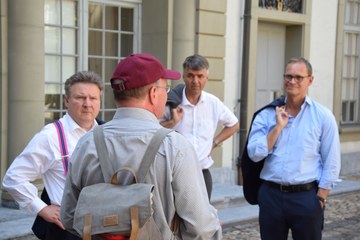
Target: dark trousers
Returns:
[[55, 233], [49, 231], [280, 211], [208, 181]]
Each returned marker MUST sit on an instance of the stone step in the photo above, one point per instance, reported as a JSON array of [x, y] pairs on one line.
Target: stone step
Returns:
[[227, 195], [233, 216], [232, 207]]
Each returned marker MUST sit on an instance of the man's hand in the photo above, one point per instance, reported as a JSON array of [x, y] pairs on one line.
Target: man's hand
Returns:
[[51, 213], [282, 117], [177, 114]]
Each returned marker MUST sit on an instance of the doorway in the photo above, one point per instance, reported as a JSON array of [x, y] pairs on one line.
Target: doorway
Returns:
[[270, 60]]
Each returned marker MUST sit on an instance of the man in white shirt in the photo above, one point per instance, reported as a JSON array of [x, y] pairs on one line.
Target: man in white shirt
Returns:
[[42, 157], [199, 114]]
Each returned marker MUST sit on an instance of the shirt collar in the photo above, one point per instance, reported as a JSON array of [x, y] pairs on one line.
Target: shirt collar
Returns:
[[308, 101], [73, 125], [185, 101], [137, 113]]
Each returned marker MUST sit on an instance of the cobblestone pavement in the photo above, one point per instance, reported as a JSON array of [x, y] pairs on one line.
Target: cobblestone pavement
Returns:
[[342, 221]]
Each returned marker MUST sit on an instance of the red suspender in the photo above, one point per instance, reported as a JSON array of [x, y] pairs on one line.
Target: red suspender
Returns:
[[63, 146]]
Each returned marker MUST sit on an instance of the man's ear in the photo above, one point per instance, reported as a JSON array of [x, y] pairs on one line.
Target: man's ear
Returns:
[[153, 95], [311, 80], [66, 100]]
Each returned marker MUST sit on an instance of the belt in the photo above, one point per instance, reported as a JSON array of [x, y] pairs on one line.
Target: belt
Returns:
[[292, 188]]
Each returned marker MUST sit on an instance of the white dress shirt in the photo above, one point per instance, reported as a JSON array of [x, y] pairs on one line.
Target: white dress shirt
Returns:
[[41, 158], [200, 121]]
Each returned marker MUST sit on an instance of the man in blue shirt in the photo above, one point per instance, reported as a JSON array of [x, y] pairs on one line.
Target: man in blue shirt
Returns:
[[301, 147]]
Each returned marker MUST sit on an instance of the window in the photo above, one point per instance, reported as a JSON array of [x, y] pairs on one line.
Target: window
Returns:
[[350, 91], [86, 35], [294, 6]]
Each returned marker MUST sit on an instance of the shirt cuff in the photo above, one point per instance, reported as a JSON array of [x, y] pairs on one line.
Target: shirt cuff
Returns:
[[36, 206]]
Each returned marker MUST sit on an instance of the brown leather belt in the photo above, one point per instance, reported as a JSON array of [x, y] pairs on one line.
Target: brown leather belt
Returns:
[[292, 188]]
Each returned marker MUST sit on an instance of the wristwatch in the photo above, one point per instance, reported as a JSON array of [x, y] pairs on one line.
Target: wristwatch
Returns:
[[215, 143], [323, 200]]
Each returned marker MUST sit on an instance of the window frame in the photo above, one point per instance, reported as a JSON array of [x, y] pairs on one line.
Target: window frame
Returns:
[[82, 54], [350, 28]]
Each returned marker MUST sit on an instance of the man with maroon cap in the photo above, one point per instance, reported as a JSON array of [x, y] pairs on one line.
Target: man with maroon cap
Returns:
[[140, 90]]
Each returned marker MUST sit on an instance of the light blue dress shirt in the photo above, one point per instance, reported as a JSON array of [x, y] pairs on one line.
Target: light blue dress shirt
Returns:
[[307, 149]]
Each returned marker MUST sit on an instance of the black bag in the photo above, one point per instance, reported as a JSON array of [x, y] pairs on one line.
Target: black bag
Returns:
[[251, 170], [175, 96]]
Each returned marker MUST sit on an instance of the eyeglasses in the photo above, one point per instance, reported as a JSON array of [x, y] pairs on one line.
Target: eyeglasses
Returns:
[[167, 88], [297, 78]]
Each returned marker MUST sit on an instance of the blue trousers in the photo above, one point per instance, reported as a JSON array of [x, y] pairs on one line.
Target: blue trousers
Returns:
[[281, 211]]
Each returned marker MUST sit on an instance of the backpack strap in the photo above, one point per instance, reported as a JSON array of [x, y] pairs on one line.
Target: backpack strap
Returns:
[[62, 144], [145, 164], [101, 148], [151, 151]]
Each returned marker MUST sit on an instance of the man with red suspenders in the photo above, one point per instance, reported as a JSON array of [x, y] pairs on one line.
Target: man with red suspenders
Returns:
[[48, 153]]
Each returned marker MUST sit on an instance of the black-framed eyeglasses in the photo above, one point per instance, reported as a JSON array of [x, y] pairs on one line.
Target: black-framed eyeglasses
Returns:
[[167, 88], [297, 78]]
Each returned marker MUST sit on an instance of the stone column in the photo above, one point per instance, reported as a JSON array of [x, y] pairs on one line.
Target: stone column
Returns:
[[184, 25], [25, 73]]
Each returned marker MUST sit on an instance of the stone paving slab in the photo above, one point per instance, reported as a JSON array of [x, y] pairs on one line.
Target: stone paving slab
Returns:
[[15, 222], [16, 228]]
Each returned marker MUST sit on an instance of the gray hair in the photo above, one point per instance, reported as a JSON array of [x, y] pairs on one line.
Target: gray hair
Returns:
[[196, 62], [83, 77]]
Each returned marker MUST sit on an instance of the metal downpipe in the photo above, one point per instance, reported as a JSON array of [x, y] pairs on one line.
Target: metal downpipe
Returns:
[[244, 86]]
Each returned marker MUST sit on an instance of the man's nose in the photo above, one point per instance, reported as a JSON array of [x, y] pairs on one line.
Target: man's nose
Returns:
[[87, 102], [196, 79]]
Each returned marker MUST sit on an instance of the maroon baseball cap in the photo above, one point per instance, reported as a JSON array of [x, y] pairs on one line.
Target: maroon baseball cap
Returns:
[[138, 70]]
